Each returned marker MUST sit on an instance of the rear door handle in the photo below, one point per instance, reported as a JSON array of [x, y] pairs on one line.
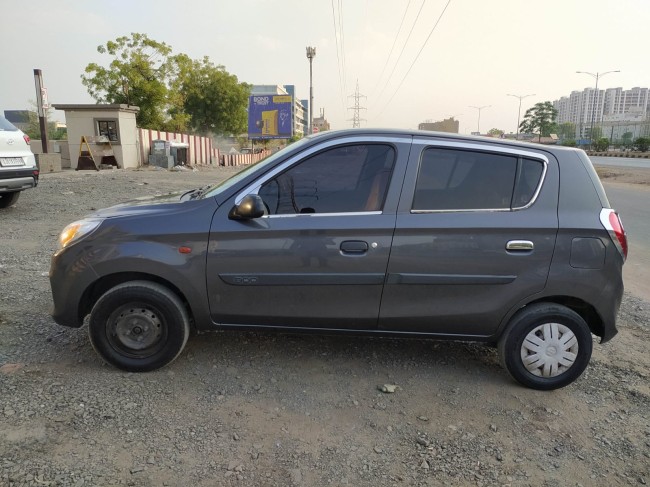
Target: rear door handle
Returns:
[[354, 247], [520, 245]]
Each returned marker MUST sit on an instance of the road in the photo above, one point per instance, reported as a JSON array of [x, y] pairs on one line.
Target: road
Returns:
[[620, 161], [633, 204]]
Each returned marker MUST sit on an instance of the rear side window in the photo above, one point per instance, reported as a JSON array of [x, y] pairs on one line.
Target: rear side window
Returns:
[[6, 126], [351, 178], [453, 179]]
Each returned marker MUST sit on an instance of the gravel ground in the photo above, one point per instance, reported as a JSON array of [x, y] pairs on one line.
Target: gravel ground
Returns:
[[281, 410]]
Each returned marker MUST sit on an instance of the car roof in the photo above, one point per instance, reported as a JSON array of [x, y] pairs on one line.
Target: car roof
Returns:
[[331, 134]]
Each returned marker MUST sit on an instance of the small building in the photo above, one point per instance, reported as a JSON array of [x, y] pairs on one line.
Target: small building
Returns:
[[115, 122], [449, 125]]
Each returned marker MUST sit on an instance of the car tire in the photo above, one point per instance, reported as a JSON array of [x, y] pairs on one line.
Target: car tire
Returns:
[[8, 199], [139, 326], [546, 346]]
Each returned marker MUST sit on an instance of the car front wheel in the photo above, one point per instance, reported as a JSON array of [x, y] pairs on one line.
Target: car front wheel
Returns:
[[139, 326], [546, 346]]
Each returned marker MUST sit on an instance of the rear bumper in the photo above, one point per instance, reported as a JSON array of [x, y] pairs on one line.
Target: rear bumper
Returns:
[[18, 179]]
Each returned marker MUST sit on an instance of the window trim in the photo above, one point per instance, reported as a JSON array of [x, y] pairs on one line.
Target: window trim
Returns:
[[520, 153], [255, 186], [96, 122]]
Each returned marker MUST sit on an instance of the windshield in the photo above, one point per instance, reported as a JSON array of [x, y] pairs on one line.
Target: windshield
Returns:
[[231, 181]]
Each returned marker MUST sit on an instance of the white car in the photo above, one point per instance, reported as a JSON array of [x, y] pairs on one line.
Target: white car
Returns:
[[18, 169]]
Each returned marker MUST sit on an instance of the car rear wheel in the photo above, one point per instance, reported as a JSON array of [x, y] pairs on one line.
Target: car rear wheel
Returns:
[[8, 199], [139, 326], [546, 346]]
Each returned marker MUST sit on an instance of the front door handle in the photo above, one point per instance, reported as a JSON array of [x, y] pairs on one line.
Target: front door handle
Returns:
[[520, 245], [354, 247]]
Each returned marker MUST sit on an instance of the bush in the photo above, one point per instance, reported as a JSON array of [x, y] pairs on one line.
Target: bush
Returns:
[[569, 143], [642, 144], [601, 144]]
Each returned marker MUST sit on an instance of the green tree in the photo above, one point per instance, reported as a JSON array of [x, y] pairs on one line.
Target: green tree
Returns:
[[539, 119], [596, 134], [214, 99], [138, 74], [33, 130], [602, 144], [495, 132], [566, 130], [626, 139], [642, 144]]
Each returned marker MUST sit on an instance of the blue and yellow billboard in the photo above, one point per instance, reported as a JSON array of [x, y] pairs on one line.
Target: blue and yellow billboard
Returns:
[[270, 117]]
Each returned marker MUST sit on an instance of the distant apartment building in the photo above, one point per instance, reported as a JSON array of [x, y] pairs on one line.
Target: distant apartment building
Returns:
[[615, 111], [300, 109], [449, 125]]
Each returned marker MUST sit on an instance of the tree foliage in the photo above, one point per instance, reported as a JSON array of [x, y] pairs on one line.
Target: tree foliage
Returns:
[[214, 99], [33, 129], [566, 130], [138, 74], [602, 144], [174, 92], [642, 144], [626, 139], [495, 132], [539, 119]]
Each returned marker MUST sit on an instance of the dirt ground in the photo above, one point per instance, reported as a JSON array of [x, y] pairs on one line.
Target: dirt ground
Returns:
[[281, 410]]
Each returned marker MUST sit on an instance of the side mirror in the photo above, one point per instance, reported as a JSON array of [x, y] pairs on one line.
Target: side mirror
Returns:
[[251, 206]]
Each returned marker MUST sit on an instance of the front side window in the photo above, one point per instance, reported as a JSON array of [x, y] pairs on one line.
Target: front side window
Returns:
[[350, 178], [454, 179]]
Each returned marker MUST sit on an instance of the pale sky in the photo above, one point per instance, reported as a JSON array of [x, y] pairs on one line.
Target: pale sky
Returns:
[[480, 51]]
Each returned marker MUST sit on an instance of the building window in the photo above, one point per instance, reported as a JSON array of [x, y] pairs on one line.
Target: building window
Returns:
[[108, 128]]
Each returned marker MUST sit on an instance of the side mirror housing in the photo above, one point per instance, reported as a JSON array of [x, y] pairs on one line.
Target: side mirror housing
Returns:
[[251, 206]]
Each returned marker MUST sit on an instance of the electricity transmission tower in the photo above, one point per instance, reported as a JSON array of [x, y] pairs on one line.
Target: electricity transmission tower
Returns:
[[356, 119]]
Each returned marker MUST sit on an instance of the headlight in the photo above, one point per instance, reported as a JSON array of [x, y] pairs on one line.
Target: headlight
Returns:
[[77, 230]]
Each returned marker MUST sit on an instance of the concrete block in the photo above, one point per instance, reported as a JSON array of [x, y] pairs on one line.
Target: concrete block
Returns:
[[49, 162]]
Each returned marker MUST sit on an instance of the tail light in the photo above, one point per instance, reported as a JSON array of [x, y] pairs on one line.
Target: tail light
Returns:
[[613, 224], [26, 137]]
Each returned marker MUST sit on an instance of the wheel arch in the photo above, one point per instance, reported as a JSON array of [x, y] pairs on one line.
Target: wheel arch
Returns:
[[586, 311], [104, 283]]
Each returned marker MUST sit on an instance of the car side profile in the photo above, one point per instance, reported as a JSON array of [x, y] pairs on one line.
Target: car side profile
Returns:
[[18, 169], [377, 232]]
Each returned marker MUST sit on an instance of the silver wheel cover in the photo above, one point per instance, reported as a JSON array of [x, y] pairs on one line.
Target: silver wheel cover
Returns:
[[549, 350]]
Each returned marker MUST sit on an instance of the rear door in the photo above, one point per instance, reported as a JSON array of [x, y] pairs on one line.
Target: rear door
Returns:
[[319, 258], [475, 233]]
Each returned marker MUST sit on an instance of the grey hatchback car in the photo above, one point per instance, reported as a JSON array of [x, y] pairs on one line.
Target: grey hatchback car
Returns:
[[391, 233]]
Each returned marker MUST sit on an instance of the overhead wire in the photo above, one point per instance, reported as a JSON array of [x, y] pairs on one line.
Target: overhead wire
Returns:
[[342, 37], [338, 61], [402, 51], [417, 56], [399, 30]]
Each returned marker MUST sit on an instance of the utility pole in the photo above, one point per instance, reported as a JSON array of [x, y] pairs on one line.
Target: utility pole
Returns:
[[596, 76], [478, 123], [311, 54], [521, 97], [356, 119], [42, 106]]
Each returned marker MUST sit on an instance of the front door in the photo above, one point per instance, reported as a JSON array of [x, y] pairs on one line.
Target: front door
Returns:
[[319, 258]]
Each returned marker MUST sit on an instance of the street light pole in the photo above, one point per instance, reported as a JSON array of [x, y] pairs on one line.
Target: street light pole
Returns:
[[521, 97], [596, 76], [478, 123], [311, 54]]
